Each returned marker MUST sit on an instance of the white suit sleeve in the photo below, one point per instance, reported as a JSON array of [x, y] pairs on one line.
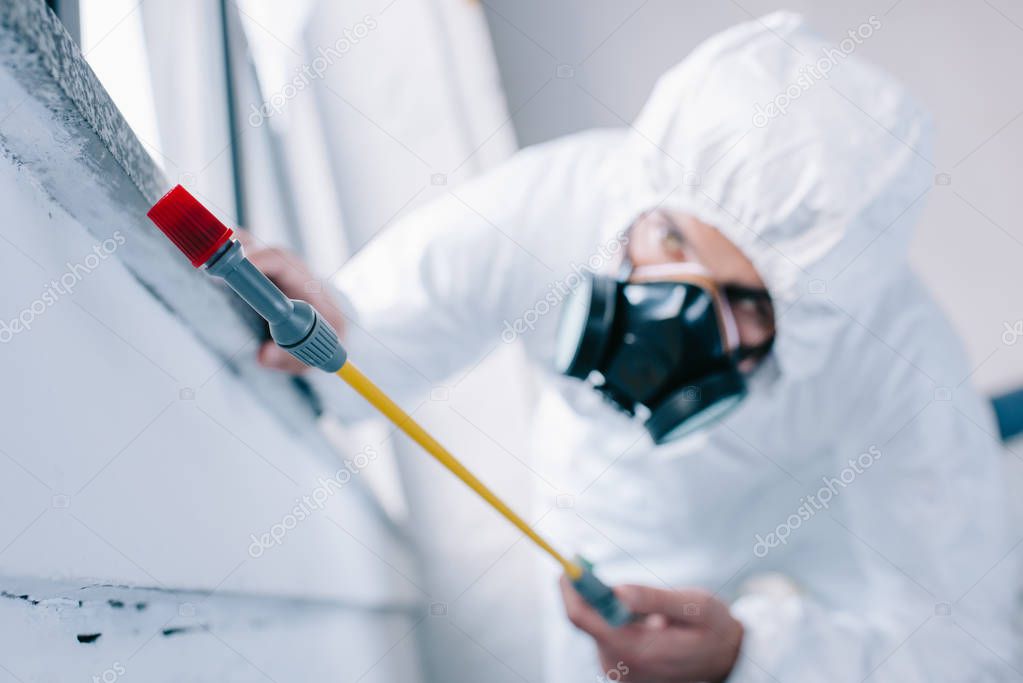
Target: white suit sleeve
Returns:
[[428, 296]]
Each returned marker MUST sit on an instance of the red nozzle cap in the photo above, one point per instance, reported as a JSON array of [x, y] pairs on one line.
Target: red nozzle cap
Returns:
[[189, 225]]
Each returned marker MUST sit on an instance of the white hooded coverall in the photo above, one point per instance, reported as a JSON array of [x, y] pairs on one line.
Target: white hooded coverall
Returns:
[[862, 467]]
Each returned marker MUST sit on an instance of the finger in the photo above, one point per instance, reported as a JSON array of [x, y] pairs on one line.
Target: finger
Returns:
[[275, 358], [684, 606], [582, 616]]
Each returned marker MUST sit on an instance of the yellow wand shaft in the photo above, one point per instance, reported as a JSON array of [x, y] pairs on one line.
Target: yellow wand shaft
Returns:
[[403, 421]]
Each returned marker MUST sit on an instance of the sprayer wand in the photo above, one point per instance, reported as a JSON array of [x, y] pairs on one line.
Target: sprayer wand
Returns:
[[300, 330]]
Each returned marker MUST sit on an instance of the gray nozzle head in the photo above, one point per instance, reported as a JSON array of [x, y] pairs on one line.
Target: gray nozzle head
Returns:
[[600, 596], [319, 348], [294, 325]]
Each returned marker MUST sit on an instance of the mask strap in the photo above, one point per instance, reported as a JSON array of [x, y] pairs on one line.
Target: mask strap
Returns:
[[669, 271], [749, 293], [758, 294]]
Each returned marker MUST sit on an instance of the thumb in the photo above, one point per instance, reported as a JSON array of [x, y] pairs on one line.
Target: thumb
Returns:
[[685, 606]]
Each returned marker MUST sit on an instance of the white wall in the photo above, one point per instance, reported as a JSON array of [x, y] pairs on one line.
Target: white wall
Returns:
[[143, 453], [959, 58]]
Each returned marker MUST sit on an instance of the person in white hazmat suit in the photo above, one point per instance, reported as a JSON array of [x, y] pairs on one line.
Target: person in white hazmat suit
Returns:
[[846, 521]]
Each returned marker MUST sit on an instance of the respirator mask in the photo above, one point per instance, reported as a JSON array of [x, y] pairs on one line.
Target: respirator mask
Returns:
[[660, 342]]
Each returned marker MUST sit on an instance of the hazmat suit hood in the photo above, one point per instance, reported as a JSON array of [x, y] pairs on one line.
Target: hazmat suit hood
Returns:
[[801, 154]]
